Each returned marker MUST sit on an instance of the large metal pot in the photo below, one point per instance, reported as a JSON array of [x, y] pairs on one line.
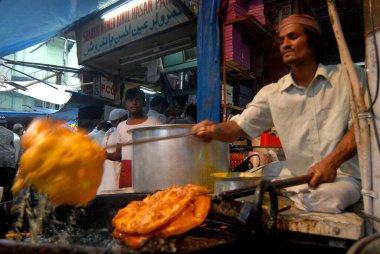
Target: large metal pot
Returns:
[[160, 164]]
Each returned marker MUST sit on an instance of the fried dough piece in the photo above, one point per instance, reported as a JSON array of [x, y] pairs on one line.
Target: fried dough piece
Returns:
[[191, 217], [156, 210], [125, 218], [65, 165], [166, 205]]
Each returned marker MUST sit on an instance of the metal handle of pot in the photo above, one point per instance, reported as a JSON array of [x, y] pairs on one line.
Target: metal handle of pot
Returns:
[[277, 183], [154, 139], [292, 181]]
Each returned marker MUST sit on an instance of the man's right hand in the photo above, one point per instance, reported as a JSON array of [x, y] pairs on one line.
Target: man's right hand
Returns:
[[226, 131], [204, 130]]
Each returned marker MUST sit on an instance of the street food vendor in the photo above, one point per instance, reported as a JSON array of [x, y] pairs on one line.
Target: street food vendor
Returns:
[[309, 108]]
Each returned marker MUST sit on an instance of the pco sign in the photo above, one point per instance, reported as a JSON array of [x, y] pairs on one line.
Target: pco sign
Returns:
[[107, 89]]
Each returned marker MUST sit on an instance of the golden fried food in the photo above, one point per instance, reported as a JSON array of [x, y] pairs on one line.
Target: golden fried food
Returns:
[[37, 131], [65, 165], [156, 209], [165, 213], [125, 218], [195, 213]]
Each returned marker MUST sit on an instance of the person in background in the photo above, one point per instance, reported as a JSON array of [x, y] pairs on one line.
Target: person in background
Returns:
[[7, 160], [189, 115], [18, 131], [111, 169], [309, 107], [101, 128], [135, 102], [172, 113], [157, 107], [98, 127]]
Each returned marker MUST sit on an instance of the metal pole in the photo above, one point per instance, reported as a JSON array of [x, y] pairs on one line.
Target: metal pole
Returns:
[[371, 10], [359, 113]]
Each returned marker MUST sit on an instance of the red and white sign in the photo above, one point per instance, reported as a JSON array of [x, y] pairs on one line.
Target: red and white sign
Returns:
[[107, 89]]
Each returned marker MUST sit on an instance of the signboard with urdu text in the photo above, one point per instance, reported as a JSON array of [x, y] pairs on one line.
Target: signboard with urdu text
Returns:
[[139, 19]]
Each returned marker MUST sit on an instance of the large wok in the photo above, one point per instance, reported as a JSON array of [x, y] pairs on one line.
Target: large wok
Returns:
[[231, 227], [222, 230]]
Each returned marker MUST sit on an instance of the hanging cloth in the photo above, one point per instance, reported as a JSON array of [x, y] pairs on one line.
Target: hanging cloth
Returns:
[[208, 58]]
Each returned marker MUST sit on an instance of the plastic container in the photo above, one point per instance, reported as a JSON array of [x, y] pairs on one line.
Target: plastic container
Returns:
[[268, 139]]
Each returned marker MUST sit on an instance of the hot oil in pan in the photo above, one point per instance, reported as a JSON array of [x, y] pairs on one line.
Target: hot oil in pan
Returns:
[[34, 215], [43, 228], [51, 232], [84, 237], [209, 235], [205, 238]]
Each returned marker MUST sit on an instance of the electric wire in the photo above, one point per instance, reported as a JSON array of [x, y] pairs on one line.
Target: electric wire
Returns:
[[48, 67], [13, 69]]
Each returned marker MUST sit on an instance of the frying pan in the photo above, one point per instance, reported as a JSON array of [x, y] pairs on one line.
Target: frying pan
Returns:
[[93, 227], [231, 225]]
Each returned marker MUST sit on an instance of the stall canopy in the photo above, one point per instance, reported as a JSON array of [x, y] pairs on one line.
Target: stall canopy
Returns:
[[53, 93], [25, 23]]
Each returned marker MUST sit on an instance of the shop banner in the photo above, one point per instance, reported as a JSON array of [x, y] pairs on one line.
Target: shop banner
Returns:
[[137, 20]]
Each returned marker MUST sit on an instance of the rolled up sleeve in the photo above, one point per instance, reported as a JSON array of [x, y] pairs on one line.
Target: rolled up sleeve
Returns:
[[256, 118]]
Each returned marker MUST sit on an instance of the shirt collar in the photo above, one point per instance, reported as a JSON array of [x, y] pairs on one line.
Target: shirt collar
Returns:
[[288, 81]]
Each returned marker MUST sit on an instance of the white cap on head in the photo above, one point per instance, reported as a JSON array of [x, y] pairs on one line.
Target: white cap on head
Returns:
[[117, 113], [17, 127]]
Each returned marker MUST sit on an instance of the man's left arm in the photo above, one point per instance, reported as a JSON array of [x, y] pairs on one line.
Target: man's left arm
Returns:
[[326, 169]]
